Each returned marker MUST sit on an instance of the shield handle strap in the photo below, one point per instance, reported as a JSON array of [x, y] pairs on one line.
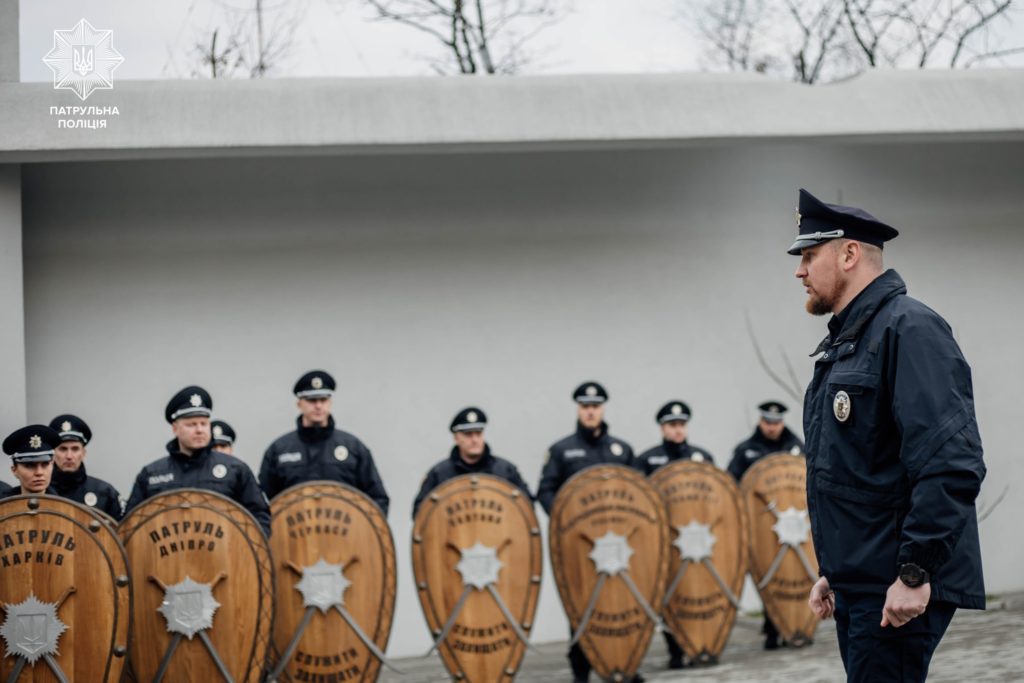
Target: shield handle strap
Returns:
[[508, 615], [589, 611], [451, 620], [282, 663], [710, 566], [372, 646], [651, 614]]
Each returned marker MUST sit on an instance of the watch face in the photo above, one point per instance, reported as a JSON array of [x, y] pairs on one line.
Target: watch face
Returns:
[[912, 575]]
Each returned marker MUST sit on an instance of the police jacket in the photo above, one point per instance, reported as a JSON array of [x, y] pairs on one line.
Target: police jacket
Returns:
[[577, 452], [894, 458], [204, 469], [757, 446], [669, 451], [455, 466], [90, 491], [321, 453], [5, 488]]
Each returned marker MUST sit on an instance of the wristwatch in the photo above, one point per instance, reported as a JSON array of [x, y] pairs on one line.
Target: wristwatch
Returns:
[[912, 575]]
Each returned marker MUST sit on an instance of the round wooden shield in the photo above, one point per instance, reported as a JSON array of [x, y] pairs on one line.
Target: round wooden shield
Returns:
[[708, 555], [66, 595], [335, 561], [609, 541], [476, 556], [782, 560], [203, 588]]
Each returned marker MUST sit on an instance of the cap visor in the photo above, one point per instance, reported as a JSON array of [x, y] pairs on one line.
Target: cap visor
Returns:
[[34, 457], [590, 400], [315, 393], [470, 427]]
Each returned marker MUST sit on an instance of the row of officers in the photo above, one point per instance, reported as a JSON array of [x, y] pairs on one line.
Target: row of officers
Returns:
[[200, 456]]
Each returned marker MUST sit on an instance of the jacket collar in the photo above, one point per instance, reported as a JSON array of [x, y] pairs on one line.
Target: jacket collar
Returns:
[[65, 481], [197, 455], [849, 322], [463, 466], [588, 435], [314, 434]]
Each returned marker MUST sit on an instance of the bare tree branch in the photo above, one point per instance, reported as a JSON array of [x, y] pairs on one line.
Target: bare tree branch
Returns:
[[793, 393], [988, 509]]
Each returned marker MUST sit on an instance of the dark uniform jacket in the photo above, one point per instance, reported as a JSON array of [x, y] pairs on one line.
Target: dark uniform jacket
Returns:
[[668, 451], [757, 446], [897, 480], [16, 491], [77, 485], [199, 471], [455, 466], [578, 452], [5, 488], [321, 453]]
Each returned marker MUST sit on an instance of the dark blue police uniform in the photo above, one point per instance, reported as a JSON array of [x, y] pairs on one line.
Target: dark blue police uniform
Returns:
[[894, 462]]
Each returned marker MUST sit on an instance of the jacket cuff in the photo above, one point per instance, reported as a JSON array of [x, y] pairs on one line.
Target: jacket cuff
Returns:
[[929, 558]]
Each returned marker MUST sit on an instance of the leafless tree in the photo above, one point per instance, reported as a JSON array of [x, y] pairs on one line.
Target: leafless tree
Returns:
[[478, 36], [817, 41]]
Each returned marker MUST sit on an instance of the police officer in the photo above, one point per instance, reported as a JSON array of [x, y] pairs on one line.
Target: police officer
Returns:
[[589, 445], [69, 477], [316, 450], [31, 450], [470, 455], [894, 457], [674, 418], [191, 462], [771, 435], [223, 437]]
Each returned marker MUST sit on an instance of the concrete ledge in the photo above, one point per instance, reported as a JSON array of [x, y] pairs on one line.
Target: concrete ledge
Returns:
[[164, 119]]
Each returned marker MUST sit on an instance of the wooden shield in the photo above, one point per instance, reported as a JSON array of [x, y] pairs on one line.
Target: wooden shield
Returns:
[[331, 540], [203, 588], [612, 516], [708, 555], [66, 595], [775, 492], [476, 533]]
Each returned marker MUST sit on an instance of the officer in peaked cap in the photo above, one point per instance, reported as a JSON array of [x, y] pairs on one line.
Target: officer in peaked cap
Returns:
[[316, 450], [223, 437], [771, 435], [69, 476], [31, 450], [192, 463], [589, 445], [674, 419], [470, 455], [894, 455]]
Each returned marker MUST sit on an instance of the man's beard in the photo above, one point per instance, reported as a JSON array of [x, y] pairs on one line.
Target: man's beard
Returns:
[[823, 304]]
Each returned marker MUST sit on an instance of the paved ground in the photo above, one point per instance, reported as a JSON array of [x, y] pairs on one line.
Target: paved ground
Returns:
[[979, 646]]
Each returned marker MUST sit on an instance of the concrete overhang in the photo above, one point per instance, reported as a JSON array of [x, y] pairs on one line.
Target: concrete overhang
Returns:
[[224, 118]]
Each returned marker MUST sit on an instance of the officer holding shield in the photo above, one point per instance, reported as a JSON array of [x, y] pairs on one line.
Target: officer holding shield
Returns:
[[894, 457]]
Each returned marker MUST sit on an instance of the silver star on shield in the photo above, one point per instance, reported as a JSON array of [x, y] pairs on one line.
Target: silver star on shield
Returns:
[[83, 59], [611, 553], [31, 629], [695, 541], [323, 585], [188, 607], [479, 566], [792, 526]]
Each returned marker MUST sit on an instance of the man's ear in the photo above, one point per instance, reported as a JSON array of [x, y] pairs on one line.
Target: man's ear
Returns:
[[851, 254]]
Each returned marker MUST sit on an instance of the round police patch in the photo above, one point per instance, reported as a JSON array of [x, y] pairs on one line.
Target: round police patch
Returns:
[[91, 499], [341, 453], [697, 457], [220, 471], [841, 406], [795, 450], [616, 449]]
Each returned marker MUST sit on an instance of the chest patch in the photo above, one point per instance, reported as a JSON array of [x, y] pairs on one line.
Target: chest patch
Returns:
[[841, 406], [750, 453], [289, 457], [657, 459], [220, 471], [697, 457], [616, 449], [341, 454], [161, 479], [575, 453], [91, 499]]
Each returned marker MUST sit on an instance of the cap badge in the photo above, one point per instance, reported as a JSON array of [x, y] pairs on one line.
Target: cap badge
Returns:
[[616, 449], [841, 406], [341, 454], [90, 499], [591, 390], [798, 217], [218, 430], [65, 426], [317, 383], [471, 416], [35, 441], [677, 409], [196, 400], [220, 471]]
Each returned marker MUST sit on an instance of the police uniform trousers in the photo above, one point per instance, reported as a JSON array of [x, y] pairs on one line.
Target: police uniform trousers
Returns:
[[887, 655]]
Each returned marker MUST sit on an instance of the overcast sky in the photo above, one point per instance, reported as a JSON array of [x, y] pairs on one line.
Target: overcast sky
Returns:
[[336, 37]]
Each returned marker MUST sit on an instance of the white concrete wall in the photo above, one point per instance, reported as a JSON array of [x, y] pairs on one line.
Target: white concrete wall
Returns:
[[12, 302], [426, 283]]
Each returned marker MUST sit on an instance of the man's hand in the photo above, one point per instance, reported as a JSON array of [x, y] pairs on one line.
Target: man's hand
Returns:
[[903, 603], [822, 601]]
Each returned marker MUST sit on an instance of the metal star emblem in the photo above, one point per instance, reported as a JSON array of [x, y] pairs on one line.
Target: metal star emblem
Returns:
[[471, 416], [695, 541], [35, 441], [611, 553], [317, 383], [676, 409], [792, 527], [479, 566], [798, 217], [188, 607], [196, 400], [83, 59], [32, 629], [65, 426], [323, 585], [218, 430]]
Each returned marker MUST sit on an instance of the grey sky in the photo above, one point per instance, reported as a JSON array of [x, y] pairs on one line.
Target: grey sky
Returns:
[[336, 37]]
